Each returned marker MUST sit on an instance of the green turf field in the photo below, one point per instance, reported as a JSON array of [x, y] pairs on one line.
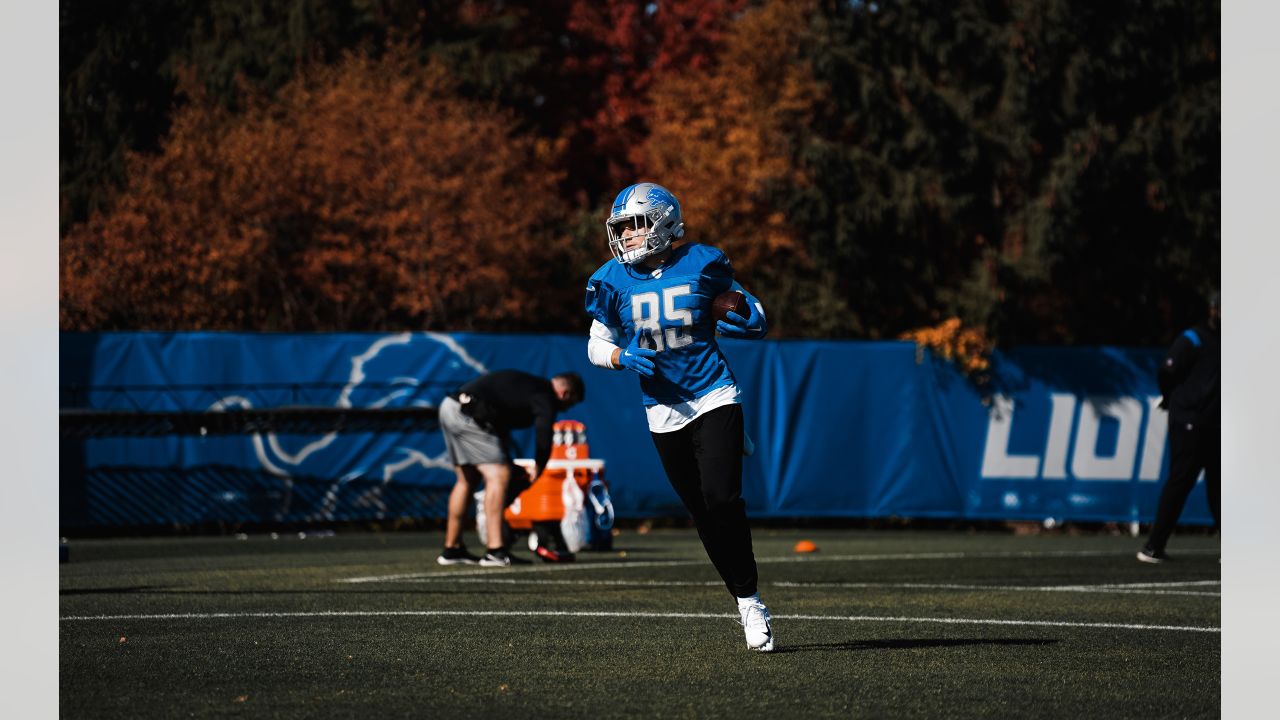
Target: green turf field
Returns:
[[876, 624]]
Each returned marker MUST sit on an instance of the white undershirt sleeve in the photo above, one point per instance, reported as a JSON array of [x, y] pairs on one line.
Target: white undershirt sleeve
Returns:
[[601, 344]]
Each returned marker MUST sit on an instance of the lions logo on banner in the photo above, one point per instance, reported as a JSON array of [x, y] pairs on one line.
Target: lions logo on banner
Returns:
[[388, 374]]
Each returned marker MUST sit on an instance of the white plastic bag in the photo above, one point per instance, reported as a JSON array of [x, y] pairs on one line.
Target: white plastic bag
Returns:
[[480, 523], [575, 526]]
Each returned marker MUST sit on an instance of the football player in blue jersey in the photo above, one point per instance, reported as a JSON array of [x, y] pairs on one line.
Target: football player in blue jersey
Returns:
[[651, 310]]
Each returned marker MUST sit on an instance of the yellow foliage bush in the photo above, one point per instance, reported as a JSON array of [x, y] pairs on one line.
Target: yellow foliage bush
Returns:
[[950, 340]]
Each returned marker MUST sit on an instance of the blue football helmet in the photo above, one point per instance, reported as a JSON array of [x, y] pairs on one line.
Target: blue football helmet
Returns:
[[653, 210]]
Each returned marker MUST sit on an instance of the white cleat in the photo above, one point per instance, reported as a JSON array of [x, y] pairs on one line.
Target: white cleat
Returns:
[[757, 627]]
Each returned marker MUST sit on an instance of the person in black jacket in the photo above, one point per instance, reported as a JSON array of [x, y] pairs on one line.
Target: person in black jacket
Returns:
[[1190, 380], [476, 420]]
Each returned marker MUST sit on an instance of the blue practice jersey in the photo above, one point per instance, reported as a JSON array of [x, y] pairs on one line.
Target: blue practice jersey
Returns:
[[671, 308]]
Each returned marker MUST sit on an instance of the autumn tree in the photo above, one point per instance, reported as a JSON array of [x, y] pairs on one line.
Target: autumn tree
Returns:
[[724, 140], [622, 51], [572, 71], [1043, 171], [118, 67], [366, 195]]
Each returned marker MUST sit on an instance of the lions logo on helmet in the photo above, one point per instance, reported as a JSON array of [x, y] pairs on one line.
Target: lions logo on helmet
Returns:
[[653, 210]]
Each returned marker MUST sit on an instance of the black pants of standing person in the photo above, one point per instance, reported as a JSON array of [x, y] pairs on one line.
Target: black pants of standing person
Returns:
[[1191, 449], [703, 461]]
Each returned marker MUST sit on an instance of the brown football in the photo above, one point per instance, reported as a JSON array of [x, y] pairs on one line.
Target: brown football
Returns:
[[730, 300]]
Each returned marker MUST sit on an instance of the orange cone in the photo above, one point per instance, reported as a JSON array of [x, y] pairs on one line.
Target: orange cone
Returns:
[[806, 546]]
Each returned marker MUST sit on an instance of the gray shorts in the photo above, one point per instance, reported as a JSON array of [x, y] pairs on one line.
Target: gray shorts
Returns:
[[468, 443]]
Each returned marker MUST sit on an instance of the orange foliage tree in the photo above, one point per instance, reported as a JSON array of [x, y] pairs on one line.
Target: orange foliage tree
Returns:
[[364, 195], [724, 138], [622, 50]]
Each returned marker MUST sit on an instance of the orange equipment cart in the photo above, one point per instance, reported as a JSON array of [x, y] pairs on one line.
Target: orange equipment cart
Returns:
[[545, 499]]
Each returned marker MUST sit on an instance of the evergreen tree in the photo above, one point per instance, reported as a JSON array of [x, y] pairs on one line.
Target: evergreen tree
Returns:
[[1043, 169]]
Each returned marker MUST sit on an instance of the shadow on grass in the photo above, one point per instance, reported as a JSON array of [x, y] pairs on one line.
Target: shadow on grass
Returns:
[[910, 644], [109, 590], [145, 590]]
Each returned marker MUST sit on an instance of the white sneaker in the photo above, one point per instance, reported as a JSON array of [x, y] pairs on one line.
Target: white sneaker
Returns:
[[495, 559], [757, 627]]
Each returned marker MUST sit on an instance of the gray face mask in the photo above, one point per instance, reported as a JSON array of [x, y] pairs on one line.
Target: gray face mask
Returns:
[[650, 209]]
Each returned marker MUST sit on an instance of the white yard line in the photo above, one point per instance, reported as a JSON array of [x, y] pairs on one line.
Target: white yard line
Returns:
[[1128, 589], [1159, 584], [542, 568], [628, 614], [1134, 589]]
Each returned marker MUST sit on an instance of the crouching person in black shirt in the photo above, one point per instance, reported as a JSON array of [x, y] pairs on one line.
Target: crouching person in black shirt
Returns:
[[477, 420]]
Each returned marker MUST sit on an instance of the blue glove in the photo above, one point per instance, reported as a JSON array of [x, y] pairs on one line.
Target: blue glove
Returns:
[[749, 328], [637, 359]]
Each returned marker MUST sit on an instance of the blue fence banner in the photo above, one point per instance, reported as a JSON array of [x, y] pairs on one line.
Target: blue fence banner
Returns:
[[841, 429]]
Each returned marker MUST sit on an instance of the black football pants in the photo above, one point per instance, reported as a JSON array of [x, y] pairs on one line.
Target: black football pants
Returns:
[[1191, 449], [703, 461]]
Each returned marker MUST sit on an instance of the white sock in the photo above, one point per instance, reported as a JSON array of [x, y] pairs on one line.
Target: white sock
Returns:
[[749, 601]]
